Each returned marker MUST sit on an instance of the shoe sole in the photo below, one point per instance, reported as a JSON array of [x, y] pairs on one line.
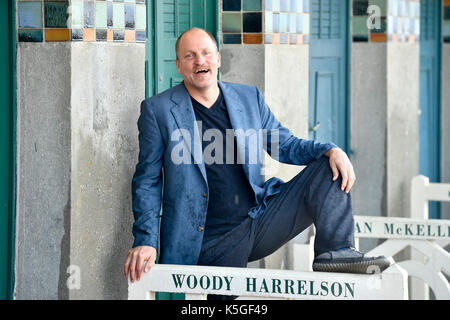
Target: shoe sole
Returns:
[[364, 267]]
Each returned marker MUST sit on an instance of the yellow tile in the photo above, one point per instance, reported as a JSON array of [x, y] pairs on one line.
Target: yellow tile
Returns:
[[89, 34], [57, 34]]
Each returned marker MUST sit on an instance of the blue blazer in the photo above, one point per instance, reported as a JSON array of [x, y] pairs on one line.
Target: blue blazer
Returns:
[[182, 188]]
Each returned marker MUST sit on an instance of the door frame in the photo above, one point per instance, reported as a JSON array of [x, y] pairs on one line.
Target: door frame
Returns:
[[8, 143], [347, 70], [438, 67]]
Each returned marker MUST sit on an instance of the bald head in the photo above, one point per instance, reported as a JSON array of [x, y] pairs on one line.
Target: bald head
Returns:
[[198, 30]]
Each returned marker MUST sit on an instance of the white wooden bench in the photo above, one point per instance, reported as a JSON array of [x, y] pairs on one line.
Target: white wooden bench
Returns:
[[429, 237], [197, 281]]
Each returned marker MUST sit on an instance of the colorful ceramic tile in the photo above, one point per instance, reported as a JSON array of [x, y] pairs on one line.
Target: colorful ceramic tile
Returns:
[[283, 38], [360, 38], [276, 38], [129, 16], [118, 35], [231, 38], [379, 26], [30, 35], [130, 36], [381, 4], [305, 27], [446, 3], [89, 34], [55, 14], [360, 7], [285, 5], [141, 17], [447, 13], [251, 5], [446, 39], [292, 23], [283, 22], [76, 9], [109, 18], [140, 1], [252, 38], [89, 14], [77, 34], [268, 22], [299, 23], [252, 22], [276, 22], [231, 5], [101, 34], [118, 16], [140, 36], [297, 6], [101, 15], [30, 15], [306, 7], [267, 38], [231, 22], [446, 28], [268, 5], [57, 35], [359, 26], [378, 37], [109, 35]]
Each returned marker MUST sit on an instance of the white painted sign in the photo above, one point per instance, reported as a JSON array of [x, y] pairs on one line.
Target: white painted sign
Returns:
[[401, 228], [391, 284]]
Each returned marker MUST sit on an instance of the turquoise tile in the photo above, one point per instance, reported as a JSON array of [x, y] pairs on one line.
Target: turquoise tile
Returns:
[[231, 39], [292, 23], [77, 13], [252, 5], [276, 5], [231, 22], [141, 18], [268, 22], [30, 14], [276, 22], [446, 28], [359, 26], [283, 22], [299, 23], [55, 14], [101, 15], [118, 15], [30, 35], [381, 4]]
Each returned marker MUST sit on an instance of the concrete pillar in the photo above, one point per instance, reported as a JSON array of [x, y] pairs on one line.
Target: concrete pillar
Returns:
[[77, 109]]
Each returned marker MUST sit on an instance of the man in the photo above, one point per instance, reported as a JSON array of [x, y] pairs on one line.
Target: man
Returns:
[[221, 212]]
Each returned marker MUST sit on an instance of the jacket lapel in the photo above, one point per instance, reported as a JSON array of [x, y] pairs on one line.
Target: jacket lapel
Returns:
[[183, 113], [238, 120]]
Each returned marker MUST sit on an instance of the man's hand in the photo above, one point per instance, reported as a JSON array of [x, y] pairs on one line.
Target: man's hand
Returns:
[[135, 261], [340, 163]]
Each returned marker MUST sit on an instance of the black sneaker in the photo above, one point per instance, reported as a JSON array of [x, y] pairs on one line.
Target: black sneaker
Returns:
[[349, 260]]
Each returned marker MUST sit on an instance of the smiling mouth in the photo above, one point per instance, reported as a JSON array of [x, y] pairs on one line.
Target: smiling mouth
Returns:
[[201, 71]]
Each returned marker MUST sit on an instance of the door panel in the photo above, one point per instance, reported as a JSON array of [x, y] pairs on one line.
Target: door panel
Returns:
[[429, 119], [328, 105]]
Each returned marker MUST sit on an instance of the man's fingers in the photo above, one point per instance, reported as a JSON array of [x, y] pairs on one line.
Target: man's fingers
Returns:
[[150, 263], [133, 267], [344, 179], [127, 265], [139, 266], [334, 170]]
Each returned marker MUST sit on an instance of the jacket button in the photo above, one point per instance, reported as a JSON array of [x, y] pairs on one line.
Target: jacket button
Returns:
[[204, 194], [200, 228]]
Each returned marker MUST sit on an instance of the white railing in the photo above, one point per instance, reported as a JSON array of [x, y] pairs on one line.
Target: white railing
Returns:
[[197, 281]]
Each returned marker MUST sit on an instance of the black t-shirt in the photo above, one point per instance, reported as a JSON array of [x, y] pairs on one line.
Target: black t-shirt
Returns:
[[230, 193]]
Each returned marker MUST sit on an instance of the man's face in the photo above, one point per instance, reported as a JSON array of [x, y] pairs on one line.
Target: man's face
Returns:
[[198, 60]]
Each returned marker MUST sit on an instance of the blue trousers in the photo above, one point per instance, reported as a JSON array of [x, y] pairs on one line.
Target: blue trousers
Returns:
[[310, 197]]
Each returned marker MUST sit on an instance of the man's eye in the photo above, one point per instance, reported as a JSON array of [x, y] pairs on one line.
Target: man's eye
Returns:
[[206, 53], [188, 55]]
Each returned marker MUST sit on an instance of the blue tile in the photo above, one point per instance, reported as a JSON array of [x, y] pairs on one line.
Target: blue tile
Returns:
[[140, 36], [129, 16], [30, 14], [89, 14], [231, 39], [30, 35]]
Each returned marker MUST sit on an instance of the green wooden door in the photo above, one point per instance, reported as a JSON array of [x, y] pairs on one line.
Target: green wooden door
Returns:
[[173, 17], [6, 143], [166, 20]]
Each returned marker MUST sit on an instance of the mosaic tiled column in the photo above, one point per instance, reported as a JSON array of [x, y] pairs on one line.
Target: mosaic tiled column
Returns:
[[81, 20], [268, 22]]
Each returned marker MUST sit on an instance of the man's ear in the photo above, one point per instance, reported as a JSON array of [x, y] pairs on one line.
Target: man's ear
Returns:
[[177, 62]]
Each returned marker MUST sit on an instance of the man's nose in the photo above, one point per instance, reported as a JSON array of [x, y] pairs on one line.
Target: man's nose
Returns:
[[199, 59]]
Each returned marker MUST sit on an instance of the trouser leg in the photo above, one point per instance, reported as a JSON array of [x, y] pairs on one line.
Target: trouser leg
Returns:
[[310, 197]]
